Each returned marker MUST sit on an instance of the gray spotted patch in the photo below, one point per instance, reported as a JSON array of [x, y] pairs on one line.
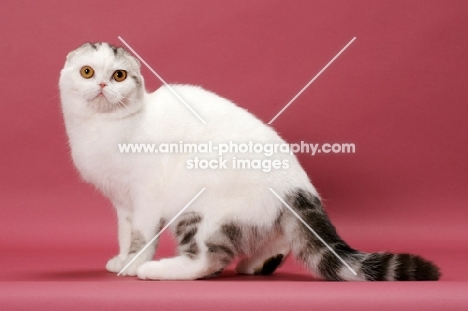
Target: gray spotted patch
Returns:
[[188, 236], [232, 232], [137, 242], [186, 230], [187, 221], [192, 250], [223, 245]]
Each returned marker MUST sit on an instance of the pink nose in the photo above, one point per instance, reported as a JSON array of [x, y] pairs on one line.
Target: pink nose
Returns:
[[102, 85]]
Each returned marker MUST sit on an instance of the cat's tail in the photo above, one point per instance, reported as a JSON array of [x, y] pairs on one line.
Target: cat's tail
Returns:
[[350, 264]]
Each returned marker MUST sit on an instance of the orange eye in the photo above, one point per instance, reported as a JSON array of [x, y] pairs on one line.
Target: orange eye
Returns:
[[119, 75], [87, 72]]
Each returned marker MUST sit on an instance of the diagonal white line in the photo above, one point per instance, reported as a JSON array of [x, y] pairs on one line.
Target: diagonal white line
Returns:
[[310, 82], [162, 80], [313, 231], [160, 232]]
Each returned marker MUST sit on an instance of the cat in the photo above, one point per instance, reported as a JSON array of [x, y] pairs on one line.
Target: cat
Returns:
[[104, 104]]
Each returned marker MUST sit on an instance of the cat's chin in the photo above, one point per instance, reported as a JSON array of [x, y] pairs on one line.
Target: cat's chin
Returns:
[[101, 104]]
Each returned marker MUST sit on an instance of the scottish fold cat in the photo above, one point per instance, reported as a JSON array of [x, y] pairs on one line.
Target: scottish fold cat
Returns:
[[243, 214]]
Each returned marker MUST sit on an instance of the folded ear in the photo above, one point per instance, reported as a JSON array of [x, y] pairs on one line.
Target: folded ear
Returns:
[[137, 61], [133, 59], [70, 55], [124, 53]]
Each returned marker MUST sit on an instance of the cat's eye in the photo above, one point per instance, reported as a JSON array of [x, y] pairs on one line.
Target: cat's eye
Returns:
[[87, 72], [119, 75]]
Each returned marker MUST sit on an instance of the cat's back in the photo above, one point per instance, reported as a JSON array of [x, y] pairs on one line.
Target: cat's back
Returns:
[[224, 119]]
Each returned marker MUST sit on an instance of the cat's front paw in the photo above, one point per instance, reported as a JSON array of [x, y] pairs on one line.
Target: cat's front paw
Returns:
[[115, 264], [131, 270]]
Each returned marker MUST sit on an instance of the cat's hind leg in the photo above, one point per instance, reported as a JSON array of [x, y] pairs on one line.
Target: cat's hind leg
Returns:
[[267, 259], [201, 255], [196, 261]]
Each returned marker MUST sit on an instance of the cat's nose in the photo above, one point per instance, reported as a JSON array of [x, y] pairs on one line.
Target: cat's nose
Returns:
[[102, 85]]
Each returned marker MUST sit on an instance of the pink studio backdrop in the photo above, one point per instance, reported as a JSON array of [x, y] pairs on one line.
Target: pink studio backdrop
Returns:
[[398, 93]]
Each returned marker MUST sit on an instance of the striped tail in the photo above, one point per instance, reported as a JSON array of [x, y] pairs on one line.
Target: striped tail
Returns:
[[351, 265]]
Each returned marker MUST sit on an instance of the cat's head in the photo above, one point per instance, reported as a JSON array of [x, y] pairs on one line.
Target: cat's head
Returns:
[[101, 78]]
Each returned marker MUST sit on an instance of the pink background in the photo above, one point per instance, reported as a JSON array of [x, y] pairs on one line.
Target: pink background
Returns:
[[398, 92]]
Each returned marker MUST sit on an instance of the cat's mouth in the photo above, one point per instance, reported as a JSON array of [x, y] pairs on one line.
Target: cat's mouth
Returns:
[[100, 95], [101, 103]]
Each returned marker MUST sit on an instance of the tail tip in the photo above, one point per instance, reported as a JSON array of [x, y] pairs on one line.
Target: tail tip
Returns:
[[427, 270], [416, 268]]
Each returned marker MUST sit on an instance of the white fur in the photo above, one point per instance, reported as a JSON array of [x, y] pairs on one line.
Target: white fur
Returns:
[[145, 188]]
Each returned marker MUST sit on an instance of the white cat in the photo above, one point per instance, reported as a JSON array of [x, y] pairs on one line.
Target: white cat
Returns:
[[105, 104]]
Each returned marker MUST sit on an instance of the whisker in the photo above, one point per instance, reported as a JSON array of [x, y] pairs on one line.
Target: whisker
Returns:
[[127, 107], [111, 88], [134, 99], [56, 95]]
